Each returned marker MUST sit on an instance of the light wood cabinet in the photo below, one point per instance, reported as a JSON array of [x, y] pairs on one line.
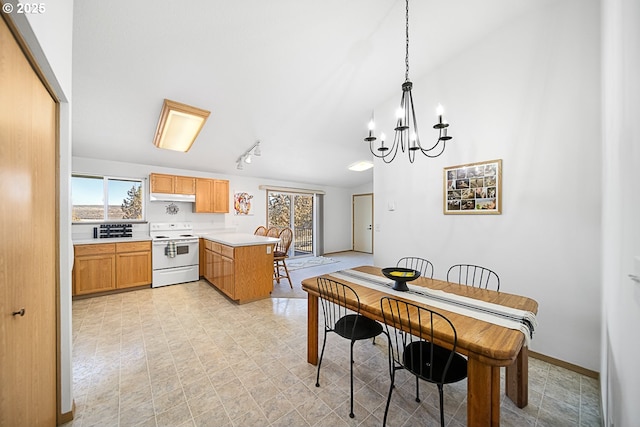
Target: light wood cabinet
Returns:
[[103, 267], [94, 268], [208, 265], [185, 185], [220, 196], [243, 273], [133, 264], [212, 196], [172, 184]]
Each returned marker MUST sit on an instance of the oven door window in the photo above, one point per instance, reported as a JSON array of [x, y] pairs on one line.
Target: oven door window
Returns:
[[186, 253]]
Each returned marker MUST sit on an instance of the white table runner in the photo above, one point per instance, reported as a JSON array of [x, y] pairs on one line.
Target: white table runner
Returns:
[[512, 318]]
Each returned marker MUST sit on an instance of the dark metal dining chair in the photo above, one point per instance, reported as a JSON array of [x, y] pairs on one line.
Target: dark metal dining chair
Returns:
[[473, 275], [412, 335], [347, 323], [425, 267]]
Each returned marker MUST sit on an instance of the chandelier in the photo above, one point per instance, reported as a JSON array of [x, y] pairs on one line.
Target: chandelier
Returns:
[[406, 130]]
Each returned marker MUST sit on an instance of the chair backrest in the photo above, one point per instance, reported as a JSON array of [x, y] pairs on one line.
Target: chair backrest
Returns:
[[334, 297], [424, 266], [286, 236], [414, 332], [261, 231], [273, 232], [473, 275]]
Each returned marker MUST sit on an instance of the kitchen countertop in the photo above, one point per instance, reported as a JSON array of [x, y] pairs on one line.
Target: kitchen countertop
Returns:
[[111, 240], [225, 238], [239, 239]]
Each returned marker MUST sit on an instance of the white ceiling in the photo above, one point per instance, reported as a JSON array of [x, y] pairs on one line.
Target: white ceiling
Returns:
[[301, 76]]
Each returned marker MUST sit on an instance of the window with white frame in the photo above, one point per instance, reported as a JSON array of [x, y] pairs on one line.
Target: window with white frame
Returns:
[[106, 199]]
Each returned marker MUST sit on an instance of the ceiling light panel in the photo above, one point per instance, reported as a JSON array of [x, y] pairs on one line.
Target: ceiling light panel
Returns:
[[179, 125]]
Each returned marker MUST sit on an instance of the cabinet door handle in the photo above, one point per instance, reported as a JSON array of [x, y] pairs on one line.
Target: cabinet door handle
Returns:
[[20, 312]]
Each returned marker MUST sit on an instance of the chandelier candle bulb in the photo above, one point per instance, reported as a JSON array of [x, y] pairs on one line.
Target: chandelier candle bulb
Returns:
[[440, 111], [382, 147]]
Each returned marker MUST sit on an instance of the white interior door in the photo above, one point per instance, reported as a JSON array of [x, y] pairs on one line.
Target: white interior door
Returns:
[[363, 223]]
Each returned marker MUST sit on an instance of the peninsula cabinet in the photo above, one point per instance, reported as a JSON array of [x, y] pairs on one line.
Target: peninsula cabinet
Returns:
[[103, 267], [243, 273], [212, 196], [172, 184]]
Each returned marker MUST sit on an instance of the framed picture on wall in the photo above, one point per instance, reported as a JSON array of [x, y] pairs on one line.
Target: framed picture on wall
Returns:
[[474, 188], [242, 203]]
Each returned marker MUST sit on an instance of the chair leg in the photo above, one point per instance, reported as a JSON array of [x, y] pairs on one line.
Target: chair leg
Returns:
[[286, 270], [417, 390], [351, 414], [440, 391], [324, 341], [276, 272], [386, 408]]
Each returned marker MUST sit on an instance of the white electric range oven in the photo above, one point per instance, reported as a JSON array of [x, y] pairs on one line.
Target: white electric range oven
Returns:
[[175, 253]]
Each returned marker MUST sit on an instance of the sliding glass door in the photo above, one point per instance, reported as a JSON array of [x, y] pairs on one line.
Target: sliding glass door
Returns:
[[297, 212]]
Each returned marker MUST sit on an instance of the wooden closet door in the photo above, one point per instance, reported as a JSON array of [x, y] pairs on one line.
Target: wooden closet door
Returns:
[[28, 254]]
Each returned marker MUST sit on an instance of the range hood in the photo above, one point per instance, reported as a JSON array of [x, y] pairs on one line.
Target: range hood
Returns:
[[167, 197]]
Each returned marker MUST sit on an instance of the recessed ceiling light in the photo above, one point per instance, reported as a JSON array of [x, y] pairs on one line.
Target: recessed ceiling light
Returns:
[[360, 166]]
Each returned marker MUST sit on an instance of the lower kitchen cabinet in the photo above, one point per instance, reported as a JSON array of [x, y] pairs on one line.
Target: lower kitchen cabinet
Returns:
[[133, 264], [243, 273], [94, 268], [105, 267]]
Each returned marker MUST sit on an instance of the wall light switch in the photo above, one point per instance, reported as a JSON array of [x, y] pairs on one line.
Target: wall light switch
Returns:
[[391, 206], [268, 249]]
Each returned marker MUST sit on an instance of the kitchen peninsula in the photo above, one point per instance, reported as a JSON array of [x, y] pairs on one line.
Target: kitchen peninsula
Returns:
[[240, 265]]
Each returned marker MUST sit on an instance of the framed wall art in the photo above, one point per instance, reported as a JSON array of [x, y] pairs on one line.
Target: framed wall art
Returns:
[[242, 203], [474, 188]]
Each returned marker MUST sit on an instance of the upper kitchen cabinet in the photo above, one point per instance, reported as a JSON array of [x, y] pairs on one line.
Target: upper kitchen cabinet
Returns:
[[212, 196], [172, 184]]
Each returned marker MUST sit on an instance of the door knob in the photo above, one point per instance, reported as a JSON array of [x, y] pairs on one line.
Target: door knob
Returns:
[[20, 312]]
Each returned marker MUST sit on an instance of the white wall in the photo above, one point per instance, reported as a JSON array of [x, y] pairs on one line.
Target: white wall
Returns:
[[528, 94], [620, 372], [49, 38], [337, 202]]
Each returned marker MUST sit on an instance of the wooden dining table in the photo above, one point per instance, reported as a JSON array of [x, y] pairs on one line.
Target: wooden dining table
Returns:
[[487, 346]]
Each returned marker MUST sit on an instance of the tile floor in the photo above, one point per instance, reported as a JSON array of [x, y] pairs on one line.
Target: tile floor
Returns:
[[184, 355]]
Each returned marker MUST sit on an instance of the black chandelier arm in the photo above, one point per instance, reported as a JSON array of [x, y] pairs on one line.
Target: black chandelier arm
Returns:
[[434, 145], [427, 152], [388, 157]]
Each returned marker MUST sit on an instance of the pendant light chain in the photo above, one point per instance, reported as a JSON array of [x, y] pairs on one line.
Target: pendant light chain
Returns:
[[406, 59]]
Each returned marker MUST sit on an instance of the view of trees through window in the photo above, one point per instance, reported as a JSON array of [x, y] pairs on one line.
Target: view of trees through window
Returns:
[[97, 198], [295, 211]]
